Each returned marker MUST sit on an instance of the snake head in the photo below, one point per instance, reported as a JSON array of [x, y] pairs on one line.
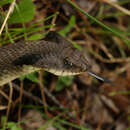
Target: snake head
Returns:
[[64, 59]]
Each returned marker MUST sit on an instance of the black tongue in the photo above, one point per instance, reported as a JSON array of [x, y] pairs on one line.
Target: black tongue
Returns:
[[100, 78]]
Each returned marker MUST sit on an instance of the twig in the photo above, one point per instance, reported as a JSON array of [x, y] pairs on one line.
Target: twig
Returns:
[[43, 94], [53, 98], [36, 99], [27, 94], [20, 100], [114, 60], [7, 16], [101, 45], [117, 6], [4, 94], [9, 104]]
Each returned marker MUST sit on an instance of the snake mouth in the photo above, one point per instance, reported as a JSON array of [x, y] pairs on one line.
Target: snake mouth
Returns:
[[62, 72]]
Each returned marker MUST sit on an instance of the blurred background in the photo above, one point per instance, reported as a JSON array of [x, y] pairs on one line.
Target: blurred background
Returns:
[[43, 101]]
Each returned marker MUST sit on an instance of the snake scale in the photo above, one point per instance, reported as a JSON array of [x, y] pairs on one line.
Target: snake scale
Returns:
[[54, 54]]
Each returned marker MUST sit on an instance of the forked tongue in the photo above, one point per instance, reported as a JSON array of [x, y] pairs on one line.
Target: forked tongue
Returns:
[[100, 78]]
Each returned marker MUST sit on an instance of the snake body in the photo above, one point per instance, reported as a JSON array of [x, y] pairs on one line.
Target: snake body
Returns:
[[54, 54]]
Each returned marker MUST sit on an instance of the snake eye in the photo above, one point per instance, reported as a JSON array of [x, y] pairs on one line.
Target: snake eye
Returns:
[[67, 63]]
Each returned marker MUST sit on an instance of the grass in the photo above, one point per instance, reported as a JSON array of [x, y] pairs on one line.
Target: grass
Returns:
[[110, 46], [126, 40]]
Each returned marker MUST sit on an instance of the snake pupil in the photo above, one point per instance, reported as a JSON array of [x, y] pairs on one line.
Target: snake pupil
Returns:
[[67, 63]]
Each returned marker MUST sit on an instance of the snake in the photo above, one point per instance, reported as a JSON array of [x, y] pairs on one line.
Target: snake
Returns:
[[54, 54]]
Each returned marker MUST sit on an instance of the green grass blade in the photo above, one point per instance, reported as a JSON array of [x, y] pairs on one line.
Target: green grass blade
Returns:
[[126, 40]]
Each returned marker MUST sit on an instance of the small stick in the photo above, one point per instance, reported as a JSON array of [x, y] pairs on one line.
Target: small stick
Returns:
[[9, 104], [7, 16]]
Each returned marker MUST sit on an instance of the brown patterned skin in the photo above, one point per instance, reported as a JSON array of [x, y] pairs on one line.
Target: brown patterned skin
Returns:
[[54, 54]]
